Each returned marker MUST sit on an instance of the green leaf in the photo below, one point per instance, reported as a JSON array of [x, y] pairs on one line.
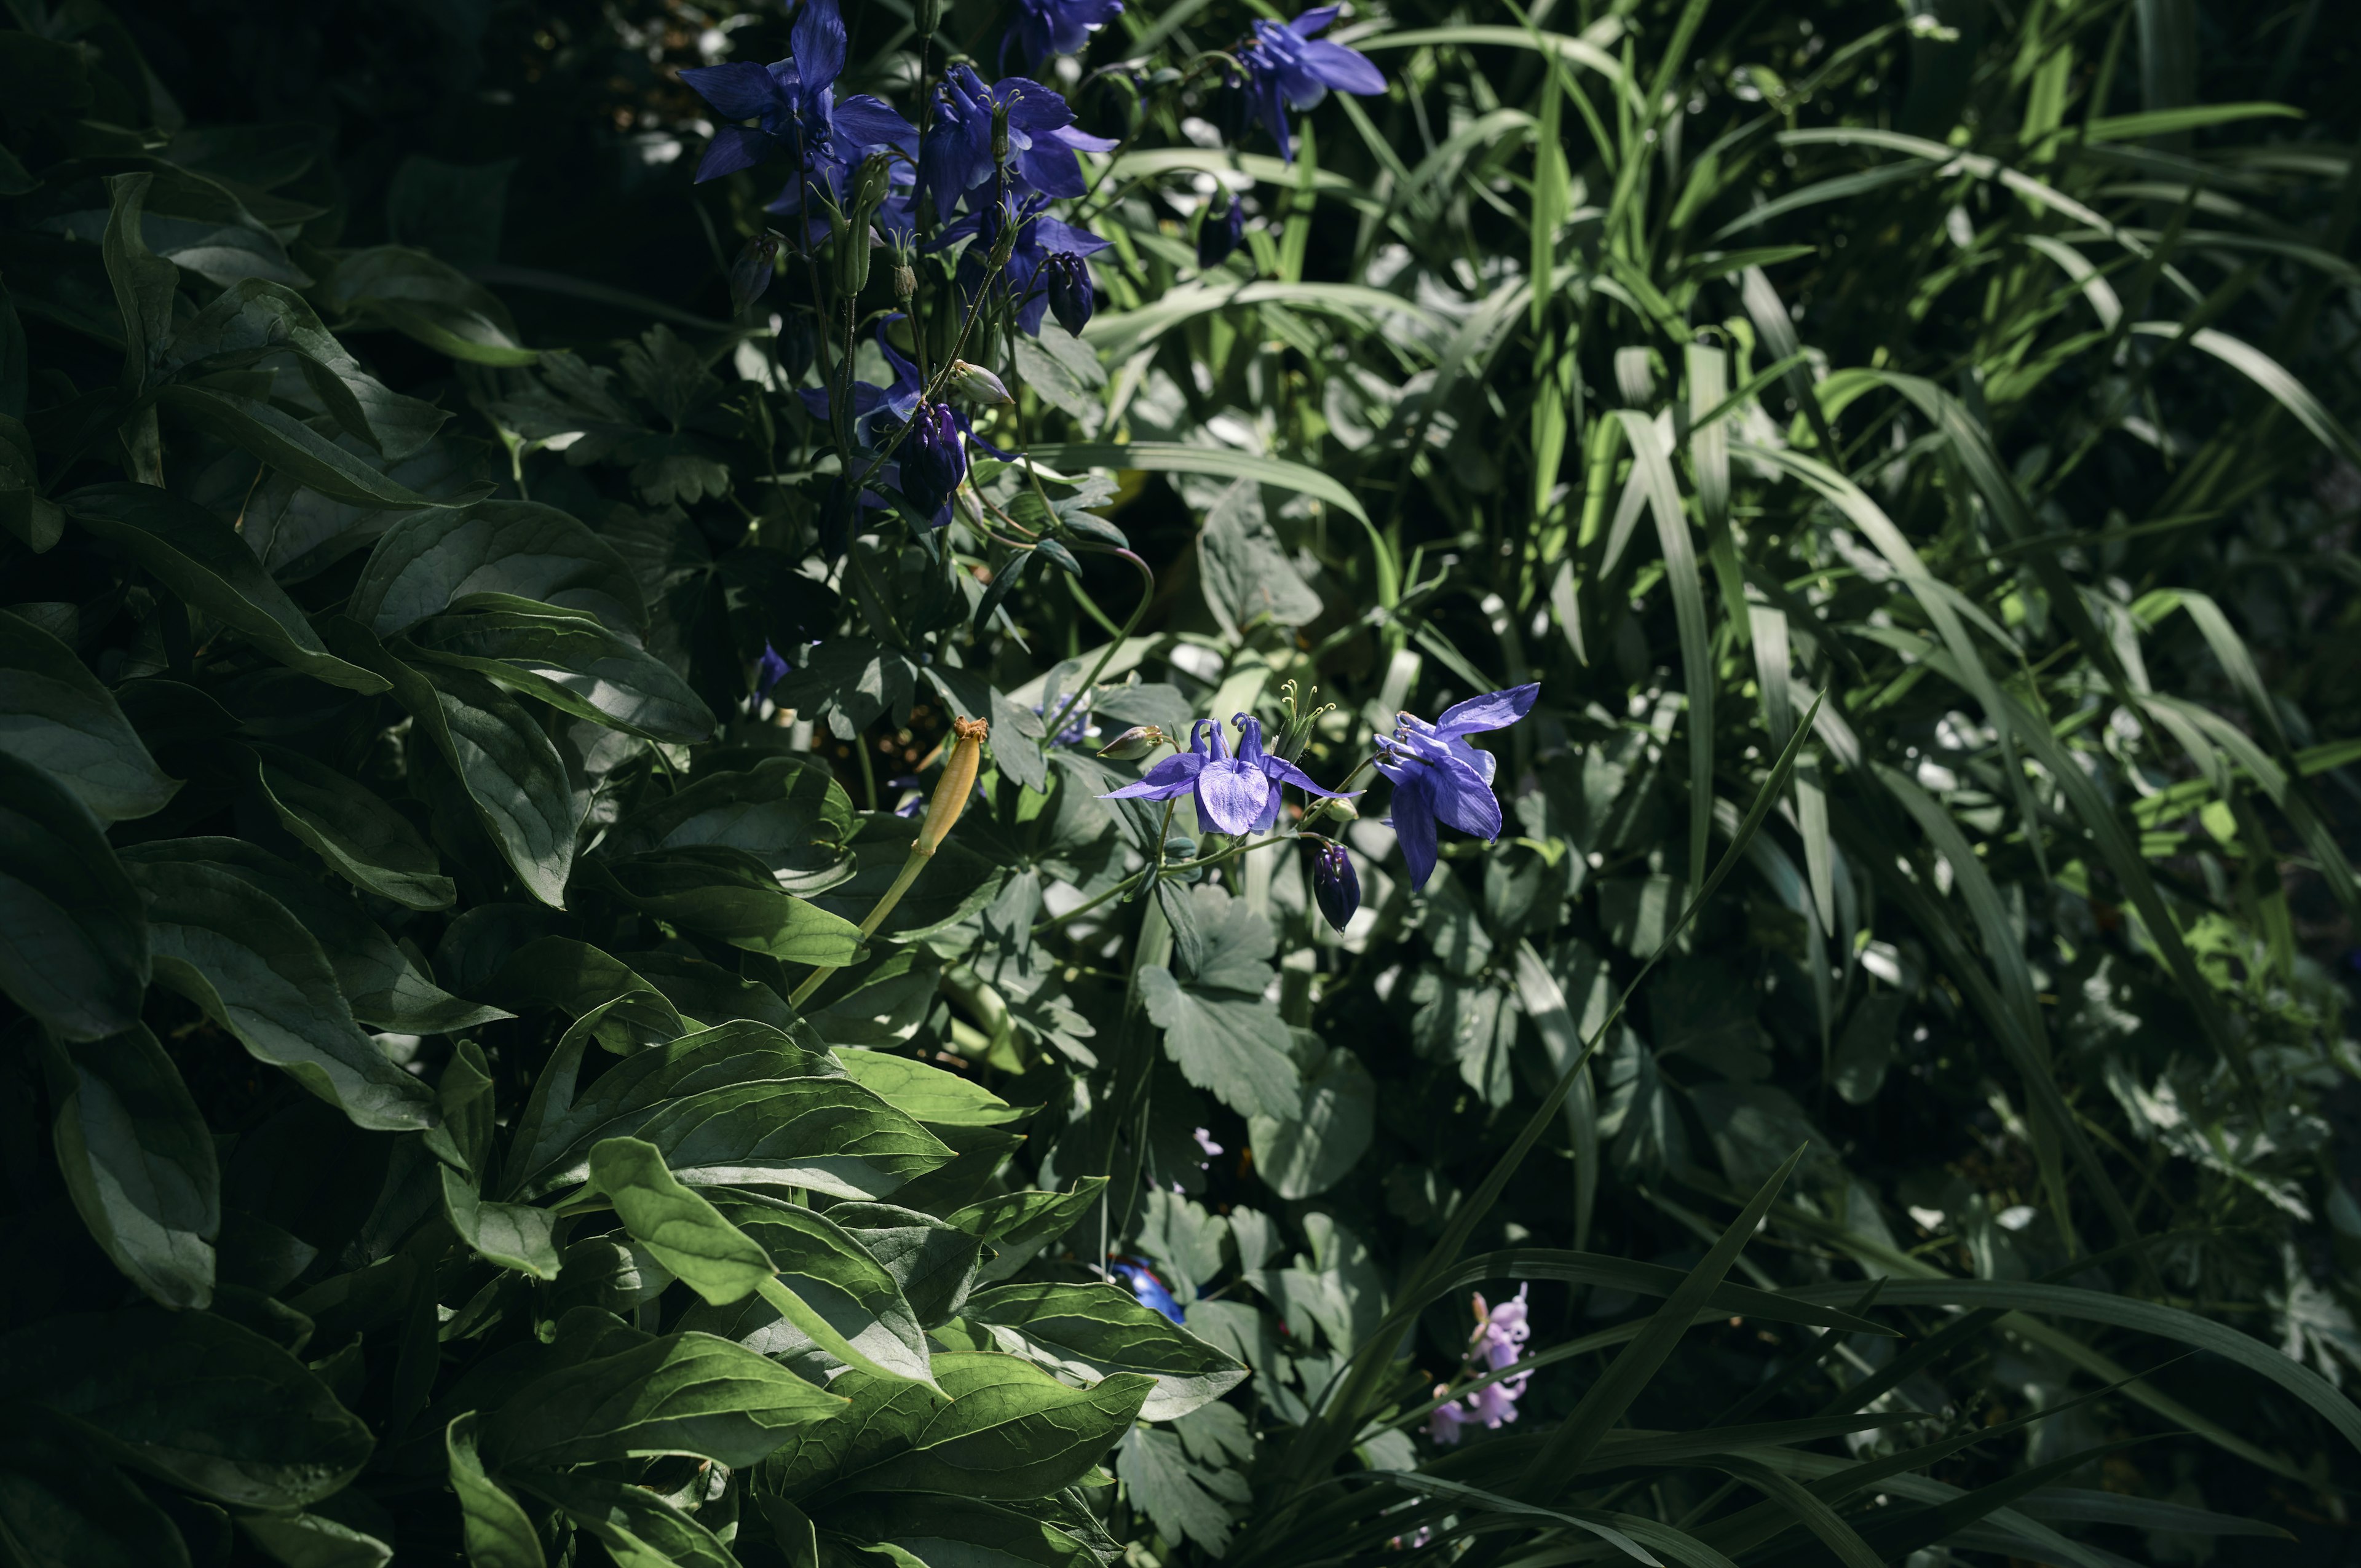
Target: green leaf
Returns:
[[829, 1134], [1222, 462], [730, 895], [201, 558], [314, 1540], [1088, 1330], [624, 1011], [431, 559], [238, 953], [788, 811], [832, 1294], [427, 300], [256, 1431], [514, 1235], [362, 838], [138, 1162], [956, 1532], [1005, 1431], [62, 1501], [54, 714], [1246, 573], [676, 1225], [144, 282], [1303, 1158], [1119, 334], [932, 1261], [516, 781], [1188, 1501], [638, 1529], [1233, 1044], [496, 1528], [571, 660], [686, 1393], [294, 448], [928, 1094], [1021, 1224], [74, 933]]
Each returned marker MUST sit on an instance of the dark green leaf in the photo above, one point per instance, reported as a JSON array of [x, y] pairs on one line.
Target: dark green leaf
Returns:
[[677, 1226], [498, 1532], [731, 895], [73, 933], [54, 714], [1091, 1329], [956, 1532], [519, 548], [1307, 1156], [62, 1501], [788, 811], [686, 1393], [138, 1162], [143, 281], [638, 1529], [283, 442], [571, 660], [1020, 1225], [361, 838], [928, 1094]]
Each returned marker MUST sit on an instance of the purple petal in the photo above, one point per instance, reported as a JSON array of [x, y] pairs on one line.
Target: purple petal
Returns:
[[1346, 70], [740, 90], [819, 44], [1464, 801], [1172, 776], [863, 121], [1315, 20], [1231, 796], [1493, 710], [1414, 821], [735, 148], [1082, 141], [1288, 772]]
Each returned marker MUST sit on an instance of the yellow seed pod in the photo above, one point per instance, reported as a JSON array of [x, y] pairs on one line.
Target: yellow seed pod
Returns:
[[957, 784]]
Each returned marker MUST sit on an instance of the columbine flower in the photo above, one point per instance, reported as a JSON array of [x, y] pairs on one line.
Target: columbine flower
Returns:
[[1045, 27], [1043, 247], [1438, 777], [1079, 725], [1234, 795], [1066, 280], [1218, 237], [1042, 140], [933, 461], [793, 104], [768, 672], [1335, 886], [1149, 1289], [879, 413], [1287, 69]]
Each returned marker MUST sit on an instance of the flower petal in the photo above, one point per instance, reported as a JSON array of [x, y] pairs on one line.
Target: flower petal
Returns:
[[1231, 796], [735, 148], [1346, 70], [1493, 710], [819, 44], [1172, 776], [740, 90], [865, 121], [1464, 800], [1413, 822]]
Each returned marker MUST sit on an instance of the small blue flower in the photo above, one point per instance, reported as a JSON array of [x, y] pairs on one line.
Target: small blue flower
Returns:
[[1066, 280], [1042, 140], [1045, 27], [1218, 236], [1287, 68], [793, 104], [768, 673], [1234, 795], [1439, 777], [1034, 259], [1080, 727], [933, 460], [1149, 1289], [1335, 886]]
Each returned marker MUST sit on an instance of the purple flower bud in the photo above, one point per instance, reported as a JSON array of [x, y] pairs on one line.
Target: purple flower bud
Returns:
[[768, 673], [1217, 236], [933, 461], [1072, 297], [1335, 885]]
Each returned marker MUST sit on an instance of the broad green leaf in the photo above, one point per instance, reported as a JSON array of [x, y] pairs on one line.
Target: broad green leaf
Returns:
[[955, 1533], [258, 1430], [1246, 573], [144, 282], [830, 1293], [73, 933], [138, 1162], [1120, 334], [627, 1012], [1234, 1045], [788, 812], [280, 441], [362, 838], [1019, 1224], [829, 1134], [570, 659], [686, 1393], [238, 953], [1303, 1158], [55, 715], [1088, 1330], [427, 300], [1006, 1429], [928, 1094], [514, 1235], [1222, 462], [1194, 1502], [675, 1225], [496, 1528], [638, 1529], [730, 895], [62, 1501], [198, 556], [932, 1261], [519, 548], [513, 775], [314, 1540]]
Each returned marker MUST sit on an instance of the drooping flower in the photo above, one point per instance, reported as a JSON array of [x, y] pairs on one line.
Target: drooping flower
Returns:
[[1041, 242], [1218, 236], [1335, 886], [1497, 1344], [1042, 140], [1439, 777], [1288, 67], [793, 104], [768, 672], [933, 460], [1046, 27], [1149, 1289], [1066, 280], [880, 412], [1234, 795], [1443, 1423], [750, 275]]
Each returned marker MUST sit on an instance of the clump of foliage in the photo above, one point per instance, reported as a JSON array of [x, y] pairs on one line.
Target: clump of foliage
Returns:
[[771, 797]]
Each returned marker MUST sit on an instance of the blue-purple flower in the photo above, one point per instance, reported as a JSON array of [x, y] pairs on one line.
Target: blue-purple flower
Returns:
[[1042, 140], [1046, 27], [1149, 1289], [933, 459], [879, 413], [1335, 885], [1497, 1344], [768, 672], [793, 104], [1288, 67], [1045, 251], [1066, 283], [1234, 795], [1439, 777]]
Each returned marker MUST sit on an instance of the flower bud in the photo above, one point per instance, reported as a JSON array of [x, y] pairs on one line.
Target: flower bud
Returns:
[[1000, 132], [906, 281], [975, 381], [1072, 297], [1134, 743], [1335, 886], [958, 783], [933, 461], [750, 275], [873, 185], [929, 17], [1218, 236]]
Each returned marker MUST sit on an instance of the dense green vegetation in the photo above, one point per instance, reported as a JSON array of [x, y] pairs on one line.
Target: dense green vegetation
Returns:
[[538, 1024]]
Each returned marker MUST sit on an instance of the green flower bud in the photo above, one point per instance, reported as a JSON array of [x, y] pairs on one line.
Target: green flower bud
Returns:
[[1134, 743], [976, 382]]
